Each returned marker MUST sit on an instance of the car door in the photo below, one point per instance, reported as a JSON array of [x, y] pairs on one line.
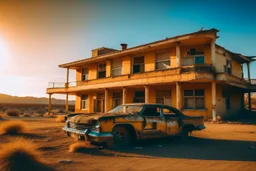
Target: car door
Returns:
[[172, 120], [154, 125]]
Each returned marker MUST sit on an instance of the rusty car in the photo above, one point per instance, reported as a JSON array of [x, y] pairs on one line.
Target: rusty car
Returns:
[[130, 122]]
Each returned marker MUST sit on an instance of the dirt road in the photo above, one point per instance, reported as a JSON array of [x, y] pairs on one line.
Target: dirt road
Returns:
[[219, 147]]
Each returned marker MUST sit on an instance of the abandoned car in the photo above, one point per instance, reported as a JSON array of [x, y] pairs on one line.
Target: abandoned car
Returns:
[[126, 123]]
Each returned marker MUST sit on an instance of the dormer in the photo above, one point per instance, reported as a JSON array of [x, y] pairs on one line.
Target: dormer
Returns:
[[101, 51]]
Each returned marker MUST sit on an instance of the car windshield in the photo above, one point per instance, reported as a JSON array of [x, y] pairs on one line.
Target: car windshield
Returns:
[[126, 109]]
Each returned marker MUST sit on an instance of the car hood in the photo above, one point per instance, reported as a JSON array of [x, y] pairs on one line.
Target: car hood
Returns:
[[87, 118]]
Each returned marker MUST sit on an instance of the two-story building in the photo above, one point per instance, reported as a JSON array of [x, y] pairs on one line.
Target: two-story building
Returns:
[[190, 72]]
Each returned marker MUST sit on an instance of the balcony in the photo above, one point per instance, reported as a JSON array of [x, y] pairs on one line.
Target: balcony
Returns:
[[186, 73]]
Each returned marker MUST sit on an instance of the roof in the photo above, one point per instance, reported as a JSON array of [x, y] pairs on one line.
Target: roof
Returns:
[[137, 48]]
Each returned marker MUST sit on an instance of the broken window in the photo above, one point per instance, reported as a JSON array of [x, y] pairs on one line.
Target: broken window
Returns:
[[163, 60], [84, 74], [84, 102], [164, 97], [193, 57], [194, 99], [102, 70], [138, 64], [139, 97], [117, 99], [116, 68]]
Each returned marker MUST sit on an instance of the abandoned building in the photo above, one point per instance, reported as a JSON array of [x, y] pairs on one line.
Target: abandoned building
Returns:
[[190, 72]]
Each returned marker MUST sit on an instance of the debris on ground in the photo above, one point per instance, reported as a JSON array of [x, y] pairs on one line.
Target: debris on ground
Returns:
[[65, 161]]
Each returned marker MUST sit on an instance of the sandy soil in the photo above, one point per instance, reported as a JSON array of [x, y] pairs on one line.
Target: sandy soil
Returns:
[[219, 147]]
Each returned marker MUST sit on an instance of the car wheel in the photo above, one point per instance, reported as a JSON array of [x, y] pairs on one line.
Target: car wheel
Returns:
[[121, 138]]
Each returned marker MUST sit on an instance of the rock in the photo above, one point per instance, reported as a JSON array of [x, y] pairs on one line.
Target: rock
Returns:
[[65, 161]]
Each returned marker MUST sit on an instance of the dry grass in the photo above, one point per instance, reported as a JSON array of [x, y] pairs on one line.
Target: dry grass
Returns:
[[13, 127], [21, 154], [60, 118], [13, 112], [78, 146]]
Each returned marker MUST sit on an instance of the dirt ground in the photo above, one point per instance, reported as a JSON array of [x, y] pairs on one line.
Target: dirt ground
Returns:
[[219, 147]]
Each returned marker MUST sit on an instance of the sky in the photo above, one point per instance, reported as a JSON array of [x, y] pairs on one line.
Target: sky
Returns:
[[36, 36]]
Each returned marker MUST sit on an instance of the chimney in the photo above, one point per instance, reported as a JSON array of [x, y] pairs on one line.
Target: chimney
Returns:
[[124, 46]]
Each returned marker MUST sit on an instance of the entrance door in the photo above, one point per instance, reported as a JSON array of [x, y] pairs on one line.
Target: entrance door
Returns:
[[99, 103], [154, 125]]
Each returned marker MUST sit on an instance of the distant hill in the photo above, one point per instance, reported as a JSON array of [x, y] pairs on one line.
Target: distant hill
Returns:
[[4, 98]]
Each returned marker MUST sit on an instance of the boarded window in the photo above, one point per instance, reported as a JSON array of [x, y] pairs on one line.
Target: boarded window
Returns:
[[116, 67], [138, 64], [84, 102], [163, 60], [194, 99], [102, 70], [84, 74]]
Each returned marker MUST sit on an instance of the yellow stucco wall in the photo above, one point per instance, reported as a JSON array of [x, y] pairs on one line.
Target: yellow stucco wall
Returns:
[[236, 69], [220, 62], [126, 64], [92, 71], [149, 60], [78, 74], [108, 68]]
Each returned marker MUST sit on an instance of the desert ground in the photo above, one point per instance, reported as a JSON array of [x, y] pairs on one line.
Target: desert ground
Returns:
[[218, 147]]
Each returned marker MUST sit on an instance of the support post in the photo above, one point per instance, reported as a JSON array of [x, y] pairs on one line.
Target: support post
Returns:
[[249, 101], [49, 104], [106, 101], [178, 96], [214, 101], [66, 103], [242, 101], [249, 74], [178, 54], [146, 93], [67, 78], [213, 52], [124, 95]]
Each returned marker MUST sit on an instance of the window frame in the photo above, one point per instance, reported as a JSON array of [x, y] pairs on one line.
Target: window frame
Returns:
[[84, 74], [162, 61], [194, 97], [84, 102], [119, 68], [98, 70], [140, 64]]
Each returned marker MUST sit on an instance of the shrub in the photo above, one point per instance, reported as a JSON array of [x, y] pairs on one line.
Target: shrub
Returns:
[[77, 147], [21, 154], [13, 112], [13, 127], [60, 118]]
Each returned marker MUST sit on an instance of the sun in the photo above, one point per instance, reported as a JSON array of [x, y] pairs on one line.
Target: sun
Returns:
[[3, 51]]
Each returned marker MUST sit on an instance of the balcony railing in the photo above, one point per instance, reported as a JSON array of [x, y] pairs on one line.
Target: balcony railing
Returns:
[[56, 85], [198, 68], [253, 81]]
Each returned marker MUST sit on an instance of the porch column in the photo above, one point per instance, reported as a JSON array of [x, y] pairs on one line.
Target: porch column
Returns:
[[49, 104], [178, 54], [67, 78], [242, 100], [249, 101], [213, 53], [146, 94], [249, 93], [214, 101], [66, 103], [106, 100], [124, 95], [178, 96]]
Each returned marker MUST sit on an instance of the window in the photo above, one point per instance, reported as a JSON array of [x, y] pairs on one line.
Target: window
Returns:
[[117, 99], [116, 67], [139, 97], [84, 102], [228, 67], [193, 57], [151, 111], [84, 74], [102, 70], [163, 60], [194, 99], [164, 97], [138, 64], [168, 111]]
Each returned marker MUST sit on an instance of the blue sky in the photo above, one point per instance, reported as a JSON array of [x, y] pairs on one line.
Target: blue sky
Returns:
[[37, 36]]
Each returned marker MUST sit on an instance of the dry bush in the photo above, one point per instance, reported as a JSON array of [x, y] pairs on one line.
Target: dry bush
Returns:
[[13, 112], [13, 127], [21, 154], [78, 146], [60, 118]]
